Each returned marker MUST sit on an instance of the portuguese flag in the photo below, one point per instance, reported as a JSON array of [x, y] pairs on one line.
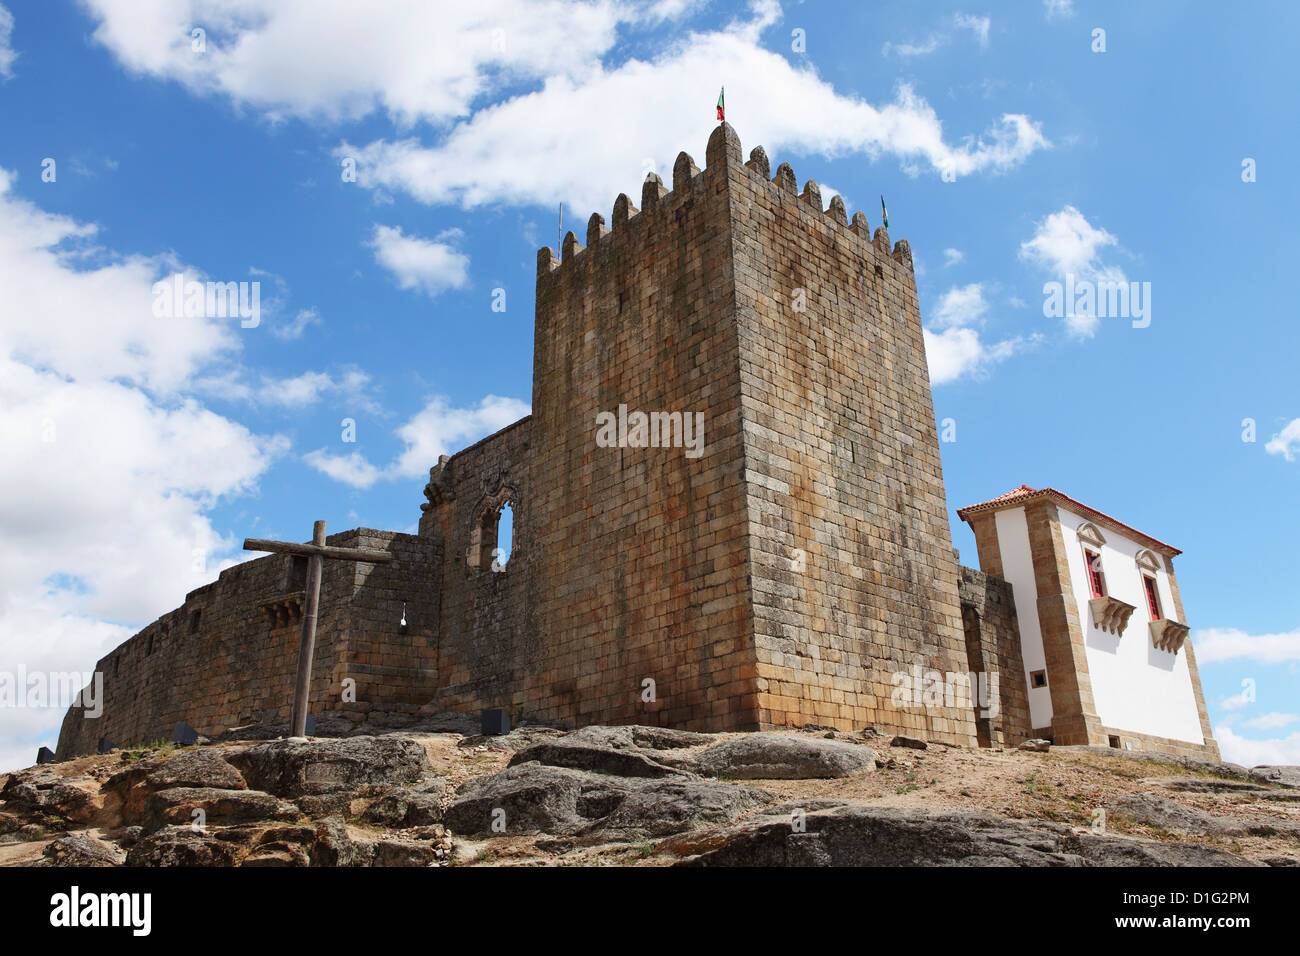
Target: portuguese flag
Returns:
[[722, 110], [884, 213]]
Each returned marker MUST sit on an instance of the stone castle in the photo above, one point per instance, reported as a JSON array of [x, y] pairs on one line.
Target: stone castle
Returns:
[[783, 572]]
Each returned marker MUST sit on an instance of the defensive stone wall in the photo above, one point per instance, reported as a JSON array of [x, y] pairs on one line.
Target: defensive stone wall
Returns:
[[993, 647], [227, 657]]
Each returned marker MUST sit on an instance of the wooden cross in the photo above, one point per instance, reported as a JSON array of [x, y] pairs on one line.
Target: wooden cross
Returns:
[[315, 552]]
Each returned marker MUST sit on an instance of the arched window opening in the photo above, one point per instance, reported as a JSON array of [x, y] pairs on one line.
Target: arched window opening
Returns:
[[491, 538], [505, 534]]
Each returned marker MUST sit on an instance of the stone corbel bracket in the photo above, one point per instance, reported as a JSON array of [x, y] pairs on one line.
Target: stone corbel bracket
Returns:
[[1168, 635], [1111, 614], [283, 610], [440, 487]]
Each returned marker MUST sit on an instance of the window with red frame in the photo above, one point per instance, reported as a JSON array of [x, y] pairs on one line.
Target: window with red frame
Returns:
[[1153, 597], [1095, 578]]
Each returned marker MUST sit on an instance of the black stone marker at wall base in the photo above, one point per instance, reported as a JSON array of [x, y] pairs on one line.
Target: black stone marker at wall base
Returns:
[[105, 745], [45, 755], [309, 727], [185, 735], [495, 723]]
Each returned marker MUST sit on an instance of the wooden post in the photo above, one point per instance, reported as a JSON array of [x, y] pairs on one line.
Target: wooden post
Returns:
[[316, 553], [307, 645]]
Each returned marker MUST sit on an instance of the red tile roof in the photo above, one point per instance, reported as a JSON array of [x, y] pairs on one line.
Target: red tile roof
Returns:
[[1023, 494]]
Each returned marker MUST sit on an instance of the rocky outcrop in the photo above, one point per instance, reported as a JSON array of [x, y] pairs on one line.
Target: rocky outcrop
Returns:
[[579, 755], [44, 792], [129, 790], [1239, 788], [856, 835], [632, 794], [781, 757], [288, 768], [1162, 812], [1157, 811], [200, 767], [209, 805], [337, 844], [632, 751], [399, 808], [82, 849], [536, 798], [1285, 776], [184, 846], [1195, 764]]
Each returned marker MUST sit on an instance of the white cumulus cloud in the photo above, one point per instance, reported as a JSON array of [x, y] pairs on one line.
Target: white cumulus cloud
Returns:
[[961, 305], [7, 54], [437, 429], [439, 73], [110, 469], [959, 352], [1286, 442], [954, 347], [1284, 751], [1271, 721], [977, 26], [1065, 244], [536, 148], [1231, 644], [342, 61], [422, 265]]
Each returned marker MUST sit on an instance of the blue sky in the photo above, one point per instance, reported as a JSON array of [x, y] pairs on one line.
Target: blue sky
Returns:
[[1009, 149]]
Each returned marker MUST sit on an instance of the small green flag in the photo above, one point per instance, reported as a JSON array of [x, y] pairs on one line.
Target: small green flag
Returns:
[[722, 110], [884, 213]]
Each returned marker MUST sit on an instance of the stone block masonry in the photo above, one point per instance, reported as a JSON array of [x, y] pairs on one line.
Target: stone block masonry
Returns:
[[781, 577], [778, 575], [993, 647], [853, 573], [228, 655]]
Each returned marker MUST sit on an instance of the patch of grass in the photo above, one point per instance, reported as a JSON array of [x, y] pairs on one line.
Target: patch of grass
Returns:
[[155, 748], [637, 852], [1122, 823], [1137, 767], [1037, 788]]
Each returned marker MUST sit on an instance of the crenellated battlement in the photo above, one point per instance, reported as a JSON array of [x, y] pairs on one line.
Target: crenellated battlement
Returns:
[[723, 156]]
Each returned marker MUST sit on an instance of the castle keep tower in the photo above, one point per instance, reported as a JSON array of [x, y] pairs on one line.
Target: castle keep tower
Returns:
[[728, 511], [779, 578]]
